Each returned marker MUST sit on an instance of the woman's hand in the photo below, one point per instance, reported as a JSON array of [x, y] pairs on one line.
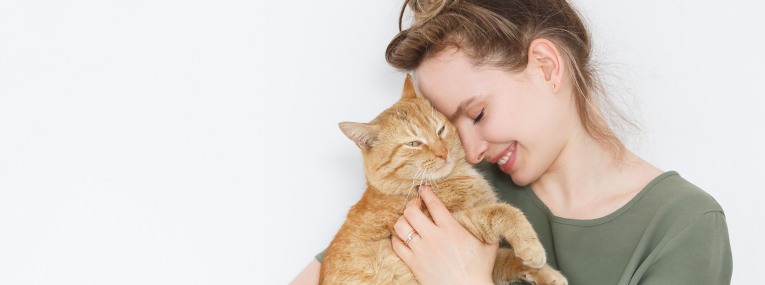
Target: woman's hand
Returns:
[[444, 252]]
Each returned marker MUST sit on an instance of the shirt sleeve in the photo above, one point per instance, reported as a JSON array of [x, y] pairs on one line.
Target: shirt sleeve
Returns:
[[699, 254], [320, 256]]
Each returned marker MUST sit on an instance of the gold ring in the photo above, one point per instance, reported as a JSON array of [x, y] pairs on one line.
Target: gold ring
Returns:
[[409, 237]]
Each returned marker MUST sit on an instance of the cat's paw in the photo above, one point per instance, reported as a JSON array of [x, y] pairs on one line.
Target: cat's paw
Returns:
[[545, 276], [531, 252]]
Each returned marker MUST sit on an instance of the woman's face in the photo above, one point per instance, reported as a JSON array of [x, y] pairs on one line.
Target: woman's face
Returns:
[[514, 120]]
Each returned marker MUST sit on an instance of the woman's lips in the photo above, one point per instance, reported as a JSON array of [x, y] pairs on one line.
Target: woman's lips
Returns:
[[505, 167], [505, 153]]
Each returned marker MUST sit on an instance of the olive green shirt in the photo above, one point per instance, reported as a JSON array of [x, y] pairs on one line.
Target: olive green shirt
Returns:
[[671, 232]]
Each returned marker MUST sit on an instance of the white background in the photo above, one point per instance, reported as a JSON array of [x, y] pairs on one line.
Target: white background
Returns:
[[191, 142]]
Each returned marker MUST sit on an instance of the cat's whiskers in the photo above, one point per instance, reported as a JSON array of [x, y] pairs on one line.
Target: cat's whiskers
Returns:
[[433, 184], [424, 177], [409, 192], [427, 179], [433, 181]]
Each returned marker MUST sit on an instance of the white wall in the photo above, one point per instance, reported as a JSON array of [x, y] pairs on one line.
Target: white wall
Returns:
[[190, 142]]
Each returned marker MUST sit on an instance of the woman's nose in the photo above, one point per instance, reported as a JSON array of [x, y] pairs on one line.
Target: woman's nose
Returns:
[[474, 147]]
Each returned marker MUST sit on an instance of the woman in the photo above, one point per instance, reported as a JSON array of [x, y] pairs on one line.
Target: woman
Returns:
[[515, 78]]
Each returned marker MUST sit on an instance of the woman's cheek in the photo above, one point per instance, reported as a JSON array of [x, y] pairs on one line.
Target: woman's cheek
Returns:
[[499, 130]]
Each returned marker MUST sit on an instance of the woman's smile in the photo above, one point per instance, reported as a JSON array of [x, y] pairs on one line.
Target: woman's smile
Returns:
[[508, 159], [504, 155]]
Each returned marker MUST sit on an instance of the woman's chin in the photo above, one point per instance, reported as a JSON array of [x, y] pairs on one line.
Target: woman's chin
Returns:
[[521, 178]]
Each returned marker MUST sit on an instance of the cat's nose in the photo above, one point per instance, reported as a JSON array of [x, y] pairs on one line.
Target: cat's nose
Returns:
[[442, 153]]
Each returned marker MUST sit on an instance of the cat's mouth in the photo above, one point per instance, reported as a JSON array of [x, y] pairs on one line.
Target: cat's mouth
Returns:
[[443, 170]]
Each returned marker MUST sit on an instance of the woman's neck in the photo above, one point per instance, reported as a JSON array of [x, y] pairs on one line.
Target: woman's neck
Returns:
[[587, 181]]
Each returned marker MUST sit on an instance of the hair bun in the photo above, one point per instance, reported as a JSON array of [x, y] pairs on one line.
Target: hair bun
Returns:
[[424, 10]]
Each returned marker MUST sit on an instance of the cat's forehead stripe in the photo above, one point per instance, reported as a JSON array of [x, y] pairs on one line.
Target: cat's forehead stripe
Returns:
[[412, 118]]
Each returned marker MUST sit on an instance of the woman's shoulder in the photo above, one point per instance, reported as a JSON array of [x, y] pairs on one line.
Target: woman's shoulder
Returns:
[[686, 230], [672, 191], [670, 204]]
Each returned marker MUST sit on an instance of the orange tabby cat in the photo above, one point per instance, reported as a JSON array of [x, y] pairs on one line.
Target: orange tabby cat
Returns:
[[411, 144]]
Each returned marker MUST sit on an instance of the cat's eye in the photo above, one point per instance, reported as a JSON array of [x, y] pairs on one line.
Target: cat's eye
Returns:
[[441, 130], [414, 143]]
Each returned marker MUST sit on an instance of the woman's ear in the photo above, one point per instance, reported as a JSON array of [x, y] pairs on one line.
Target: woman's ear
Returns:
[[544, 57]]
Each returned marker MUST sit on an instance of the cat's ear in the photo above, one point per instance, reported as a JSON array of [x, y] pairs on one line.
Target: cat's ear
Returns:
[[364, 135], [409, 91]]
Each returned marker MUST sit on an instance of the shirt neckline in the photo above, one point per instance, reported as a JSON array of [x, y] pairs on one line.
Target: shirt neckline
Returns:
[[601, 220]]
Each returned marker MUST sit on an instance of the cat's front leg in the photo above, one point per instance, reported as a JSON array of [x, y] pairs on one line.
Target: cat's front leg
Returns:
[[490, 222], [509, 268]]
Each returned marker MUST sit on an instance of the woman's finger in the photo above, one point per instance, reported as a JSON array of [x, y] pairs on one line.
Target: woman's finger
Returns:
[[402, 227], [403, 251], [417, 219], [404, 230], [437, 210]]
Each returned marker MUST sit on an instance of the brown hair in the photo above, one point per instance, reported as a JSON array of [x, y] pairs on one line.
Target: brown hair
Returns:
[[499, 32]]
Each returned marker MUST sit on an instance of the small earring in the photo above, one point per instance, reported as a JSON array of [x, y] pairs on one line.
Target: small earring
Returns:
[[553, 86]]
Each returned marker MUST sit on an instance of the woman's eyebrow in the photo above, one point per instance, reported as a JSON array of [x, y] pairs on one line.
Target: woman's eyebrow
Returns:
[[461, 108]]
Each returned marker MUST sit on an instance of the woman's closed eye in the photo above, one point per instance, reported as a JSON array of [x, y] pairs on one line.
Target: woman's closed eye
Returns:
[[478, 118]]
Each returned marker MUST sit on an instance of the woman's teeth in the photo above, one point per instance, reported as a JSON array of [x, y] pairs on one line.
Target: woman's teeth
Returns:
[[504, 159]]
